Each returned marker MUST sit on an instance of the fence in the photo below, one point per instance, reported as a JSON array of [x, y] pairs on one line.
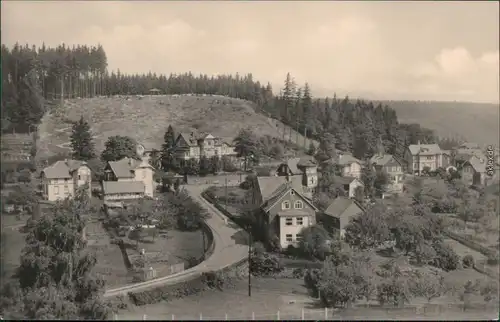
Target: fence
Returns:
[[480, 311]]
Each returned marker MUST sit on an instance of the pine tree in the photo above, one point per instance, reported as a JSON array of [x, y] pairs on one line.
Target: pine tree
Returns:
[[166, 153], [81, 141]]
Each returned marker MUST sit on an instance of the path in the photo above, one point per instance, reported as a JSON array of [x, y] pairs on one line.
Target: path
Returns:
[[227, 251]]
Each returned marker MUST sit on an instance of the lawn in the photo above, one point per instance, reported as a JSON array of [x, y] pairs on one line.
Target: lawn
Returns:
[[149, 117], [236, 197], [269, 295], [169, 249]]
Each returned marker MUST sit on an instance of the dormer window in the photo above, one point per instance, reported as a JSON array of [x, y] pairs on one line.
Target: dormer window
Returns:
[[285, 205]]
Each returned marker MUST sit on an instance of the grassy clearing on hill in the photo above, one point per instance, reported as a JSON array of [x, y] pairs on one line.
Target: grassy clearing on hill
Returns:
[[475, 122], [146, 119]]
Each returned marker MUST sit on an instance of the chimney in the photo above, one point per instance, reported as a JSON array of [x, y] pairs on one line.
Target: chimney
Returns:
[[287, 177]]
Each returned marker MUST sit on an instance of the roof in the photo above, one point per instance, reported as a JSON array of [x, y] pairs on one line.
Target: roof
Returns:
[[424, 149], [346, 159], [343, 180], [479, 165], [307, 161], [124, 168], [293, 213], [292, 165], [114, 187], [382, 160], [62, 169], [190, 138], [339, 206], [469, 145], [268, 186]]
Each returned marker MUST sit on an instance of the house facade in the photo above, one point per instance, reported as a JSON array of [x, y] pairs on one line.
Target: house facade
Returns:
[[61, 179], [473, 171], [348, 184], [339, 213], [421, 156], [393, 168], [349, 165], [284, 212], [194, 146], [128, 178]]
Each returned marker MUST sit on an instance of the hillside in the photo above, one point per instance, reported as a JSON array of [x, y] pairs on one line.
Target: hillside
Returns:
[[147, 118], [475, 122]]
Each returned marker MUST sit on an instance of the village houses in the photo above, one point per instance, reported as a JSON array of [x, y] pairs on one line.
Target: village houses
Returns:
[[128, 178], [348, 165], [473, 170], [61, 179], [194, 146], [421, 156], [393, 168]]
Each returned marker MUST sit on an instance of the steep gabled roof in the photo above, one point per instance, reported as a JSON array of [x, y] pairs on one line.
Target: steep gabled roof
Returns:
[[343, 180], [268, 186], [424, 149], [281, 192], [62, 169], [339, 206], [347, 159], [125, 167], [382, 160]]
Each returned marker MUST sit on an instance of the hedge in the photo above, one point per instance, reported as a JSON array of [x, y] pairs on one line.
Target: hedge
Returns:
[[471, 244]]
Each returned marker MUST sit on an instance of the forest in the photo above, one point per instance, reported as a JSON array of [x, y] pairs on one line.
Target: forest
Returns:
[[34, 79]]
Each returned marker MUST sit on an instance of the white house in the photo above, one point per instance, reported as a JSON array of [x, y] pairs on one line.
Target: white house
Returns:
[[61, 179]]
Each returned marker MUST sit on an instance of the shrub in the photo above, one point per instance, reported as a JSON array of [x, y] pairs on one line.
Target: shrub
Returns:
[[446, 258], [468, 261], [265, 264], [312, 278], [218, 280]]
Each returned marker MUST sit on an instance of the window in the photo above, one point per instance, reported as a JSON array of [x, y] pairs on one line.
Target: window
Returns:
[[292, 192], [429, 158], [298, 204], [289, 238], [56, 190], [298, 237], [66, 189], [300, 221], [415, 166], [79, 177], [285, 205], [289, 221]]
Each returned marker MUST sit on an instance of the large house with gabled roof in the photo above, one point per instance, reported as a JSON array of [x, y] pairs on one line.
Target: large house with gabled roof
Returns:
[[196, 145], [61, 179], [421, 156], [128, 178], [391, 166], [283, 209]]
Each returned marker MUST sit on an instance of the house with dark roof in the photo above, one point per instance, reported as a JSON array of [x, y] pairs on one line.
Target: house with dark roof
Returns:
[[348, 165], [283, 209], [128, 178], [196, 145], [420, 156], [339, 213], [473, 171], [61, 179], [393, 167]]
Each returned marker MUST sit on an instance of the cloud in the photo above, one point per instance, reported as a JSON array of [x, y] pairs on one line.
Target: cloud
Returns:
[[456, 74]]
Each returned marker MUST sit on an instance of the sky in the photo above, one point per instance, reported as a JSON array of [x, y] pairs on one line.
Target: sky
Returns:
[[379, 50]]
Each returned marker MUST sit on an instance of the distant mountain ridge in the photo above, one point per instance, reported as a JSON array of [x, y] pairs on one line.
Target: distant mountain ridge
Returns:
[[474, 122]]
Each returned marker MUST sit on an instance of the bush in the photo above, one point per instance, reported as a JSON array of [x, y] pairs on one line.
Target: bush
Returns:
[[219, 280], [265, 264], [446, 258], [24, 176], [468, 261], [312, 278]]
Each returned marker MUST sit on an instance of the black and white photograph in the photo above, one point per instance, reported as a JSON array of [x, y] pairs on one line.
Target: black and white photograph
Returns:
[[250, 160]]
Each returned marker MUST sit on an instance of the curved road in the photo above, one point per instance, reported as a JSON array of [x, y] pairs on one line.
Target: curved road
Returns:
[[226, 252]]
